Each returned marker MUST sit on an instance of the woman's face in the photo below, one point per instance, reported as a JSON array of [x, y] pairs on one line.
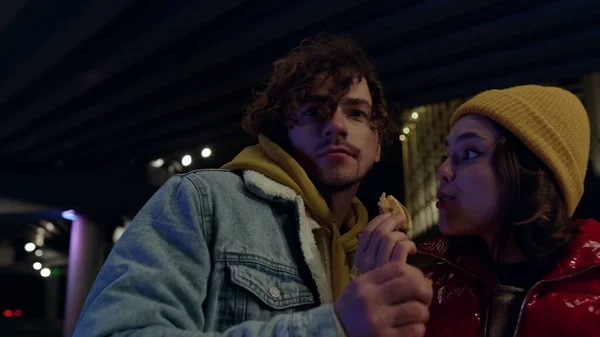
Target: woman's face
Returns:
[[469, 192]]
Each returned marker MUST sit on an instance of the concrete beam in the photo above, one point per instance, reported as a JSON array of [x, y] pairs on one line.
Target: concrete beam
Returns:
[[9, 206]]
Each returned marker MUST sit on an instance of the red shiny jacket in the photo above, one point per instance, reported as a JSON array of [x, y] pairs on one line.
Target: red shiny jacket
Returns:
[[566, 302]]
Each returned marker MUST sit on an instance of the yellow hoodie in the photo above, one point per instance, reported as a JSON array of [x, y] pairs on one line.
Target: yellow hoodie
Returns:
[[271, 160]]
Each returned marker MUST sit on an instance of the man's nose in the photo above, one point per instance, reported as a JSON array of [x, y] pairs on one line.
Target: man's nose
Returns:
[[336, 125]]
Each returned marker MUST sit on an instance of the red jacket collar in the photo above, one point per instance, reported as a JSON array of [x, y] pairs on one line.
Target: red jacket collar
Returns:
[[583, 252]]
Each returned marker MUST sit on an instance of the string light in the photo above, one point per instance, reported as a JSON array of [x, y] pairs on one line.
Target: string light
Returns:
[[157, 163], [186, 160], [45, 272]]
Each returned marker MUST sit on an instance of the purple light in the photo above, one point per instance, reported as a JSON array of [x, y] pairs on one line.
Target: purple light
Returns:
[[69, 215]]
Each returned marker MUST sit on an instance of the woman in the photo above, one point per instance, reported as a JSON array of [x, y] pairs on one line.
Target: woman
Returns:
[[513, 261]]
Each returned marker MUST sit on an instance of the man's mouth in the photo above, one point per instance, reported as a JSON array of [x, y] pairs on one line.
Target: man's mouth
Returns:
[[336, 150]]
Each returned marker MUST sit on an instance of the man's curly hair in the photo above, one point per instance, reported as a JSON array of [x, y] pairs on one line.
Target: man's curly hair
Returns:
[[273, 110]]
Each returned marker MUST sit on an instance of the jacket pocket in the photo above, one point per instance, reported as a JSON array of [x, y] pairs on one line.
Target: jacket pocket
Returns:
[[276, 287]]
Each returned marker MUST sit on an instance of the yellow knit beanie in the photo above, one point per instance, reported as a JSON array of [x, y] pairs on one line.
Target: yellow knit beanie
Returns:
[[550, 121]]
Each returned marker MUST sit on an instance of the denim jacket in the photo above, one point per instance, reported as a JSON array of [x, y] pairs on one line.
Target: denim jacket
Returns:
[[214, 253]]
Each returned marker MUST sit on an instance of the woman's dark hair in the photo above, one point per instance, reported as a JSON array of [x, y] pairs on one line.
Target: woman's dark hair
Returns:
[[533, 208], [273, 109]]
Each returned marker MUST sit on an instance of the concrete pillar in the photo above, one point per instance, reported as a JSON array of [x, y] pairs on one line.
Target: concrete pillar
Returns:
[[52, 288], [591, 92], [86, 255]]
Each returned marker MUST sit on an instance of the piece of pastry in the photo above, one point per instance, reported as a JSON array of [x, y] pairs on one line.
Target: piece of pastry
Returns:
[[389, 204]]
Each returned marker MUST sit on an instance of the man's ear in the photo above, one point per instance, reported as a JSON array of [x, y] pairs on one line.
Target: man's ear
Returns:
[[378, 154]]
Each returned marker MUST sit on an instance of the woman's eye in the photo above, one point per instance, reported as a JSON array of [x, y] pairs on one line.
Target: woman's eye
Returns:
[[471, 154]]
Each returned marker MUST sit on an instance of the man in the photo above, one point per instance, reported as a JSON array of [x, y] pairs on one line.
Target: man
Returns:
[[265, 246]]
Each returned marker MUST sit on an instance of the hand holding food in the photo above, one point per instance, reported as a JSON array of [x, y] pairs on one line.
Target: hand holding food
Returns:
[[389, 204], [383, 239]]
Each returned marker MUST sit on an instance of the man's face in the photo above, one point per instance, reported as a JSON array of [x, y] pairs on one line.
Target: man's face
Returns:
[[334, 141]]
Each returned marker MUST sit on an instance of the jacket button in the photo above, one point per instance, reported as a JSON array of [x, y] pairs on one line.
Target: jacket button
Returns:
[[274, 291]]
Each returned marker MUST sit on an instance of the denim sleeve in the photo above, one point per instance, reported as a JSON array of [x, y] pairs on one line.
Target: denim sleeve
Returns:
[[155, 279]]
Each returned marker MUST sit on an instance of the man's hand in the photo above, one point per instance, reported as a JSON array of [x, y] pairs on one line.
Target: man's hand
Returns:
[[392, 300]]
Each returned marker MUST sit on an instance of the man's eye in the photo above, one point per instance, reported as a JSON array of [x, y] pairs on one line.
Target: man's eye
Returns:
[[314, 111], [311, 112], [357, 113]]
